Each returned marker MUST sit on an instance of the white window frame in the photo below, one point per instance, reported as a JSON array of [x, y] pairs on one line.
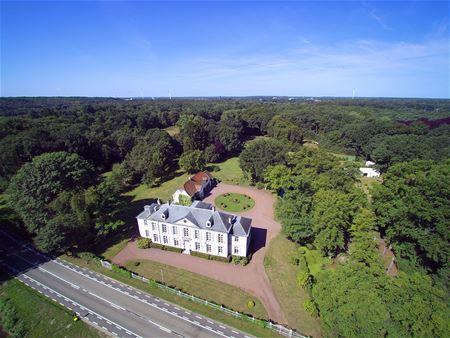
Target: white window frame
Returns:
[[164, 228], [208, 236], [147, 233], [220, 238], [208, 248], [236, 250], [165, 240], [174, 230], [153, 226], [185, 232], [219, 250], [175, 242], [236, 238], [197, 246], [196, 234], [155, 238]]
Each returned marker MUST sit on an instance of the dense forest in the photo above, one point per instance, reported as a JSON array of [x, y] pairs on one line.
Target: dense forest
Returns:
[[53, 152]]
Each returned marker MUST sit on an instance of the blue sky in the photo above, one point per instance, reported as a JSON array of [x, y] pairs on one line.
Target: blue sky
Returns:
[[297, 48]]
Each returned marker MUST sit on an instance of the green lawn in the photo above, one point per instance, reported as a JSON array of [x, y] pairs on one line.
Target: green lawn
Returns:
[[188, 304], [283, 275], [42, 316], [234, 202], [200, 286], [228, 172], [163, 192]]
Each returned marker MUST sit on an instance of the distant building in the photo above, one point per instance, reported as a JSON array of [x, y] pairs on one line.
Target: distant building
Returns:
[[369, 163], [196, 187], [198, 227], [369, 172]]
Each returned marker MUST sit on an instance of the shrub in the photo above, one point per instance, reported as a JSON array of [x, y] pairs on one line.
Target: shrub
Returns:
[[166, 248], [211, 257], [144, 243], [250, 304], [310, 307], [240, 260], [10, 320], [152, 283], [88, 256], [120, 270]]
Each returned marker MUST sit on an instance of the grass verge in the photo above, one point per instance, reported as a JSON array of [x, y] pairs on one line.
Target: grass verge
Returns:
[[283, 276], [199, 286], [42, 316], [186, 303]]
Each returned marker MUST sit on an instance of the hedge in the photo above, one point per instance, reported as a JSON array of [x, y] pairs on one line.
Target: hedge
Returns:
[[166, 248], [211, 257], [120, 270]]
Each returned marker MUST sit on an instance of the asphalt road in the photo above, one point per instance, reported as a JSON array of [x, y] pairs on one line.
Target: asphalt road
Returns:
[[115, 307]]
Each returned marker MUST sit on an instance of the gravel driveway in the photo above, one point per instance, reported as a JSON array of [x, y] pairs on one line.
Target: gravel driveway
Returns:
[[251, 278]]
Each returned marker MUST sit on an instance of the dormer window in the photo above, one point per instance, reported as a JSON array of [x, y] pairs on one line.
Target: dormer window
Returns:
[[163, 216], [208, 224]]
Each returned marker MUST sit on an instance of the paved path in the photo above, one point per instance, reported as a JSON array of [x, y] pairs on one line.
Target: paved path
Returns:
[[251, 278], [111, 306]]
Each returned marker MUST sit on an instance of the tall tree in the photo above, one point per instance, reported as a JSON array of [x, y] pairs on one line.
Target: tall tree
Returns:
[[259, 154]]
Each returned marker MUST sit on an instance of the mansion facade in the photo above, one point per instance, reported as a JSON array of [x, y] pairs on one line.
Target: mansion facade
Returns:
[[198, 227]]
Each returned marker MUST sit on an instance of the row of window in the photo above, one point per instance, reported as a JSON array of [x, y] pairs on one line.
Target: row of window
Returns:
[[176, 242], [186, 232]]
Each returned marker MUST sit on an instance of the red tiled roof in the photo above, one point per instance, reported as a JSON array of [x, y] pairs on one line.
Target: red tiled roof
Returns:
[[194, 184]]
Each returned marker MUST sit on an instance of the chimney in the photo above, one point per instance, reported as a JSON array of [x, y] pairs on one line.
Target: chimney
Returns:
[[158, 201], [213, 208]]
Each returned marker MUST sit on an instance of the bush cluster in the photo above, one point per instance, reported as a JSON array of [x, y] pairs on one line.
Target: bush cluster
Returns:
[[10, 320], [211, 257], [240, 260], [166, 248], [144, 243], [122, 271]]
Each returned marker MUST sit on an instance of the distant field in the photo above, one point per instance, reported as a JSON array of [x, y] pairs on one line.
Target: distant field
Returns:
[[42, 316], [283, 277]]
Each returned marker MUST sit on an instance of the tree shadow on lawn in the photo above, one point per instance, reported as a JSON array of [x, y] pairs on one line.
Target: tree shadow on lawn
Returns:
[[258, 240], [129, 229]]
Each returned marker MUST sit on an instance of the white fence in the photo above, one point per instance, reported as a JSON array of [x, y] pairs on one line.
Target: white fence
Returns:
[[280, 329]]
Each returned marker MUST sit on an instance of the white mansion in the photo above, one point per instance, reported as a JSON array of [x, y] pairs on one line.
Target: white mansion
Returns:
[[198, 227]]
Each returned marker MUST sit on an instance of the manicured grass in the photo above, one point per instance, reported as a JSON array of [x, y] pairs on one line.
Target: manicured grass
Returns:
[[186, 303], [228, 172], [42, 316], [113, 250], [283, 276], [173, 130], [164, 192], [234, 202], [200, 286]]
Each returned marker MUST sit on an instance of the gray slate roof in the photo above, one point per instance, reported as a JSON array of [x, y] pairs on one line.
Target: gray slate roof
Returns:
[[198, 214]]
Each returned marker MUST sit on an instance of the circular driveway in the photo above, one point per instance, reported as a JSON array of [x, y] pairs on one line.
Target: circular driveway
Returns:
[[252, 277]]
